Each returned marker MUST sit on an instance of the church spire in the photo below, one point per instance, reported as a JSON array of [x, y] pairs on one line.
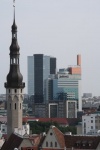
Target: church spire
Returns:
[[14, 26], [14, 78], [14, 85]]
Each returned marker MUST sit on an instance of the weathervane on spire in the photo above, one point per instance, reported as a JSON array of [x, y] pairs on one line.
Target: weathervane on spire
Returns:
[[13, 3]]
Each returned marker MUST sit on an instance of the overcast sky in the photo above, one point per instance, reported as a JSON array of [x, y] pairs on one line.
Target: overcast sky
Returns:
[[59, 28]]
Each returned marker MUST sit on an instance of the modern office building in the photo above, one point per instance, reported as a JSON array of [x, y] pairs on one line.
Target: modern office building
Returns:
[[39, 68], [66, 84], [56, 109]]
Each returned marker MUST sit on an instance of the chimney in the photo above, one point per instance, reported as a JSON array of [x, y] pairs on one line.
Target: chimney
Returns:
[[78, 60]]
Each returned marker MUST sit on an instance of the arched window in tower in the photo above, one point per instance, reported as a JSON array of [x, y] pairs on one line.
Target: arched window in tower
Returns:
[[20, 105], [15, 105], [10, 106], [15, 90], [14, 61], [14, 35], [9, 90]]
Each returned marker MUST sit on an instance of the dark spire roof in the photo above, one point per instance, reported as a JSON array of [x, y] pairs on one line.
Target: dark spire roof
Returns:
[[14, 77], [14, 26]]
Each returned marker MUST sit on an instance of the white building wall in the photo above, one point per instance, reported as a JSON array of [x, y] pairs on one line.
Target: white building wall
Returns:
[[88, 123], [50, 137], [79, 95], [25, 130]]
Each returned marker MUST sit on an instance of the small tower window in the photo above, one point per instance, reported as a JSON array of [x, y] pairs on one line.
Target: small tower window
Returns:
[[20, 105], [14, 60], [15, 105], [21, 90], [15, 90], [10, 106], [9, 90]]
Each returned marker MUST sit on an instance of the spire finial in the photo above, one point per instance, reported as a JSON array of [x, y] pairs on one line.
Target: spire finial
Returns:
[[14, 9]]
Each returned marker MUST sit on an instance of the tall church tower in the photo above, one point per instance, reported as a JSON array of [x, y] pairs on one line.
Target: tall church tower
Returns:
[[14, 86]]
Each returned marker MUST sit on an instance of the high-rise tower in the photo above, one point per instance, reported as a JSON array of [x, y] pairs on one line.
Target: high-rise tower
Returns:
[[40, 66], [14, 86]]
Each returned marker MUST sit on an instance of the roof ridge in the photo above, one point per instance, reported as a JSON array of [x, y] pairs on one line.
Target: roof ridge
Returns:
[[57, 137]]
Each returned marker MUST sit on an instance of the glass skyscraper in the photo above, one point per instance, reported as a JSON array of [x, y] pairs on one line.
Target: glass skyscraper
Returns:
[[39, 68]]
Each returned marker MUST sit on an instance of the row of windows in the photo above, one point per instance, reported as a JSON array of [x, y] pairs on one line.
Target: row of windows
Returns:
[[51, 144], [15, 106], [15, 90], [14, 61], [96, 121]]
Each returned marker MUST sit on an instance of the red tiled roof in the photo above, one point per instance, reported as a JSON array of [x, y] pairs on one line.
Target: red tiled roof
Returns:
[[35, 139], [82, 142], [60, 137], [58, 120]]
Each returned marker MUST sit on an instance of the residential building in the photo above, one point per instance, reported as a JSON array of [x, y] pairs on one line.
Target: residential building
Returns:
[[39, 68], [91, 124], [54, 139]]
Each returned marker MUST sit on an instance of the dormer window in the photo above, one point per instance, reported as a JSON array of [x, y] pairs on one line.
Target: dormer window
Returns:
[[90, 143], [78, 143], [84, 143]]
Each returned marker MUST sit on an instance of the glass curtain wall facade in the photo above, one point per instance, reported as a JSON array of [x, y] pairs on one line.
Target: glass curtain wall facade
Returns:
[[39, 69]]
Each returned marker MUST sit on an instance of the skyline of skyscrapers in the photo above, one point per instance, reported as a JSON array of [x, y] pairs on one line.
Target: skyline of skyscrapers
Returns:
[[66, 84], [47, 85], [40, 67]]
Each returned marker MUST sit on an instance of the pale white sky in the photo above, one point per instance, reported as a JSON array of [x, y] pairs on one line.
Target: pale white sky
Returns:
[[59, 28]]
